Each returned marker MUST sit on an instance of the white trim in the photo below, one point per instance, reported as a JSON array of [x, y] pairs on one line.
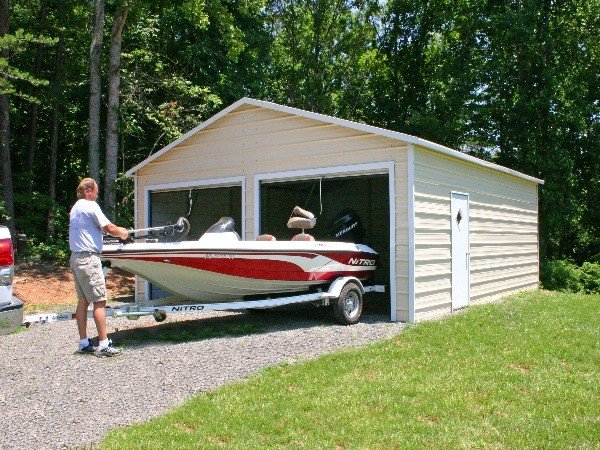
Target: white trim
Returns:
[[537, 218], [207, 184], [147, 225], [135, 225], [341, 122], [411, 232], [214, 182], [392, 213], [386, 167], [336, 171], [466, 194], [257, 206]]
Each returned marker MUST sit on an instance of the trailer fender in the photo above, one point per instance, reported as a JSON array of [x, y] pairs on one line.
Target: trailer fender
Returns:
[[336, 287]]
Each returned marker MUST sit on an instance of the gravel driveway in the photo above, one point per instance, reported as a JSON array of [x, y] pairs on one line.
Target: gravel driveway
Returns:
[[52, 398]]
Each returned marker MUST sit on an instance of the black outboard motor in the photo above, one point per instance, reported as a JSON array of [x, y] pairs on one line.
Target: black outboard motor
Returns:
[[347, 227]]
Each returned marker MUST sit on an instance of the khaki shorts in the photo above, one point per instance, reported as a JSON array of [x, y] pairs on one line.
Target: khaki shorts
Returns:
[[89, 279]]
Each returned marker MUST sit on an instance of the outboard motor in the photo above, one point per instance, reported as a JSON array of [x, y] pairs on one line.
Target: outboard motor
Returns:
[[347, 227]]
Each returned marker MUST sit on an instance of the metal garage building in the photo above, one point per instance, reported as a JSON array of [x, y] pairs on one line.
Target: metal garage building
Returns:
[[451, 229]]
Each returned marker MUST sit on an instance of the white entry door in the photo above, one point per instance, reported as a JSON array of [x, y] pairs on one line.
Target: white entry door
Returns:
[[460, 250]]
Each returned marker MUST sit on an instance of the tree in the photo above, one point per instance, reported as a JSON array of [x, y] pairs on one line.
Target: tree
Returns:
[[95, 90], [56, 84], [183, 60], [322, 51], [112, 120], [33, 123], [9, 74], [430, 58], [540, 107], [7, 182]]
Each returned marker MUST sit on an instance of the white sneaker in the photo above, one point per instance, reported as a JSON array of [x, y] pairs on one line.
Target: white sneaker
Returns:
[[107, 351]]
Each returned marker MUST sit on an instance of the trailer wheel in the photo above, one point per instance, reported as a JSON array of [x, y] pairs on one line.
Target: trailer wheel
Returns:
[[160, 316], [347, 308]]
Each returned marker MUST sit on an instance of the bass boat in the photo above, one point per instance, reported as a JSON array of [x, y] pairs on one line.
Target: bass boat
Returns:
[[220, 267]]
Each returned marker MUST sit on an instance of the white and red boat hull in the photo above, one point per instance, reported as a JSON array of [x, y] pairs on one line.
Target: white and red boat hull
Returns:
[[209, 272]]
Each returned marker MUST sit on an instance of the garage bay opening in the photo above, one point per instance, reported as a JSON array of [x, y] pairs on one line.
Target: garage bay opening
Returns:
[[331, 199]]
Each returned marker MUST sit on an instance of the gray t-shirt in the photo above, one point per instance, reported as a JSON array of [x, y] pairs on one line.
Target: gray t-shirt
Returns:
[[85, 226]]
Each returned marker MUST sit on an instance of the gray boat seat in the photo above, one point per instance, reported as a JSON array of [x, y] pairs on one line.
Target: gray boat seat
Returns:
[[266, 237]]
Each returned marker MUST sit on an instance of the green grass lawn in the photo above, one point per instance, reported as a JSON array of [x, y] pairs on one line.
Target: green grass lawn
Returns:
[[524, 372]]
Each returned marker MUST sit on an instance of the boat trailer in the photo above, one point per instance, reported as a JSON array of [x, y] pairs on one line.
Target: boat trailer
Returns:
[[345, 295]]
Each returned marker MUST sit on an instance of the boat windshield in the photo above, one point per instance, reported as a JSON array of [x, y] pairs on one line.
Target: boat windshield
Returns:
[[224, 225]]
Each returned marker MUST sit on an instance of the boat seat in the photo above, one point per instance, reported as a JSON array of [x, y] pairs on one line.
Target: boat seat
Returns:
[[266, 237], [302, 219], [303, 237]]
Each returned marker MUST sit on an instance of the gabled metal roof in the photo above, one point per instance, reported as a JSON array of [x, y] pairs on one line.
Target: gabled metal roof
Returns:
[[341, 122]]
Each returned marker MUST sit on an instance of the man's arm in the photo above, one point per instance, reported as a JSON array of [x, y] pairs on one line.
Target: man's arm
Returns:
[[116, 231]]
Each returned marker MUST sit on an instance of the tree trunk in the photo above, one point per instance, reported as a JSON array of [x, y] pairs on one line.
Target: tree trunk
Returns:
[[7, 183], [112, 119], [34, 108], [95, 90], [54, 141]]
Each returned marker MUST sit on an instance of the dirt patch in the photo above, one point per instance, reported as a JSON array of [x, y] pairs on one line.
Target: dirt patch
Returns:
[[40, 284]]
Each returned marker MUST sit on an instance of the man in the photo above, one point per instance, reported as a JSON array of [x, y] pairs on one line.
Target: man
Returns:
[[87, 221]]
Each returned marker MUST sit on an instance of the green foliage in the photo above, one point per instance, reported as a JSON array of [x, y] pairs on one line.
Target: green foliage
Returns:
[[15, 43], [565, 276], [561, 276], [590, 278], [322, 54], [125, 206], [37, 250], [4, 217], [33, 216]]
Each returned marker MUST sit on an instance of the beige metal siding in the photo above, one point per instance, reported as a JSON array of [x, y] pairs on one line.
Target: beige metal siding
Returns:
[[253, 140], [503, 232]]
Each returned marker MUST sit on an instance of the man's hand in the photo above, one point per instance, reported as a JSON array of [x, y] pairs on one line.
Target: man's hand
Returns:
[[116, 231]]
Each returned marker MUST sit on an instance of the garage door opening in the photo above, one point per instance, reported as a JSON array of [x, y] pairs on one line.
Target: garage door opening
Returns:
[[327, 199], [202, 206]]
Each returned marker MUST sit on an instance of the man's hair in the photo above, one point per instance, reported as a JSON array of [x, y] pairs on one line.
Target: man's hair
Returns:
[[84, 185]]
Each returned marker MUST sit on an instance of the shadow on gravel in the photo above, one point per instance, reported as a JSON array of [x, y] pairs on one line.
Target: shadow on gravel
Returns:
[[240, 324]]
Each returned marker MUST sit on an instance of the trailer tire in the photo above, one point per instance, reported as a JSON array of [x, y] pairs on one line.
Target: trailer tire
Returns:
[[347, 308], [160, 316]]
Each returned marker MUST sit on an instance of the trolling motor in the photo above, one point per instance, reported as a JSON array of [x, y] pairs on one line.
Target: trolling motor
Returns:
[[182, 227]]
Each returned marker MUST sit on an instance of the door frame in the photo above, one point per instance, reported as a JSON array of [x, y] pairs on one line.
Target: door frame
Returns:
[[452, 307], [378, 168]]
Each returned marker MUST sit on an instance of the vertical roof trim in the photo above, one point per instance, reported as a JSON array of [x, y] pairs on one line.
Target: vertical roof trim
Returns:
[[335, 121]]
